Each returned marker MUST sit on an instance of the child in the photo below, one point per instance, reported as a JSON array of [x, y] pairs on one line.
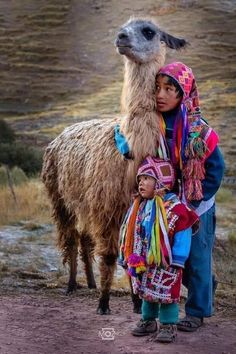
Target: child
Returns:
[[155, 241], [192, 146]]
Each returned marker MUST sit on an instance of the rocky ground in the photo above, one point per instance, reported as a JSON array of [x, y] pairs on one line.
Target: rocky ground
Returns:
[[52, 323], [37, 317]]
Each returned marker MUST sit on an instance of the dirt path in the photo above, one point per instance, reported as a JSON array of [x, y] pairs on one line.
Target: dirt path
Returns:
[[52, 323], [36, 317]]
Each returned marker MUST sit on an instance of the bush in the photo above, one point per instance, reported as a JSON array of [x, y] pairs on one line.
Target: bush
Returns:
[[3, 176], [17, 154], [18, 176], [232, 238], [6, 132]]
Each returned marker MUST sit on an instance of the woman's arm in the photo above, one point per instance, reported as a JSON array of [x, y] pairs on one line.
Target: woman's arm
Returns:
[[214, 167], [181, 247]]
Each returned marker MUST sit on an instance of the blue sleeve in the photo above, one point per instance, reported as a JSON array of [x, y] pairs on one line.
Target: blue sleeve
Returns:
[[120, 141], [214, 166], [181, 247]]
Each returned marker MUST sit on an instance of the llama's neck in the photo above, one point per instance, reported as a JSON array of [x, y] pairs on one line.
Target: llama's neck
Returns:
[[140, 124], [138, 90]]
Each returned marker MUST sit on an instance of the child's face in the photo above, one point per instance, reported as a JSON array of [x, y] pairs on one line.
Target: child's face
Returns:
[[166, 95], [146, 186]]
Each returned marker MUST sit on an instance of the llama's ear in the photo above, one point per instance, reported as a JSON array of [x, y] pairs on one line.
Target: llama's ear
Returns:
[[173, 42]]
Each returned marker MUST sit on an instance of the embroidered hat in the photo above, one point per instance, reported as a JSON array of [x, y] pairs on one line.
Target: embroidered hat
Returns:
[[182, 74], [191, 135], [161, 170]]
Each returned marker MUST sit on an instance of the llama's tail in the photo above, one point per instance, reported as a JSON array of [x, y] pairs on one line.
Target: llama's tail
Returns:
[[49, 173], [65, 220]]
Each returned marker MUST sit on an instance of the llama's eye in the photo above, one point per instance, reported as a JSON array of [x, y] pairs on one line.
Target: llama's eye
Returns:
[[148, 33]]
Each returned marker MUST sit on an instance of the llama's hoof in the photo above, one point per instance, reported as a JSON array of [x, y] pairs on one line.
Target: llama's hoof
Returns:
[[137, 304], [70, 291], [72, 287], [92, 286], [137, 309], [101, 311]]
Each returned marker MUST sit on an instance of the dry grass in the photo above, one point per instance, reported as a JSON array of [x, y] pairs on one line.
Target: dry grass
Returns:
[[225, 263], [224, 195], [32, 203]]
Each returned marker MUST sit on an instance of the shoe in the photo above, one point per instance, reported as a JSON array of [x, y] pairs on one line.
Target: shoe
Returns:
[[189, 323], [144, 328], [167, 334]]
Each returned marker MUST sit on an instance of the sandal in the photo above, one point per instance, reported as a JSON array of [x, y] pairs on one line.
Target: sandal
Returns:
[[189, 323]]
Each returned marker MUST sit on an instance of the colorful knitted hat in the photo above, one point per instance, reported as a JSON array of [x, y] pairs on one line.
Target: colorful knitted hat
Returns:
[[161, 170], [185, 78], [191, 144]]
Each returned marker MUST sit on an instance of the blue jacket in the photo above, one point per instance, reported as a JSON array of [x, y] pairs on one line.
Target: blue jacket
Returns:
[[214, 164]]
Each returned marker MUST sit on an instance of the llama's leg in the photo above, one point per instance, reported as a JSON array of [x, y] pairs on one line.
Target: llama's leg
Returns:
[[68, 238], [71, 258], [67, 234], [86, 254], [107, 268], [137, 301]]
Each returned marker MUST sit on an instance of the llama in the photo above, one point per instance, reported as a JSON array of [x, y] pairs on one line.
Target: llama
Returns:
[[88, 181]]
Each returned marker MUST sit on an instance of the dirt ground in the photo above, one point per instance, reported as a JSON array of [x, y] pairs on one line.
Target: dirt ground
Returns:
[[53, 323], [36, 317]]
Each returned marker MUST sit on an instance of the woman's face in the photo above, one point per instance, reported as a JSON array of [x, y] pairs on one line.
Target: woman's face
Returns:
[[146, 186], [166, 94]]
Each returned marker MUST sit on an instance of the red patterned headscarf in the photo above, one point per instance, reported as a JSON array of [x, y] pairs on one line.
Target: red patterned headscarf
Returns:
[[193, 139], [161, 170]]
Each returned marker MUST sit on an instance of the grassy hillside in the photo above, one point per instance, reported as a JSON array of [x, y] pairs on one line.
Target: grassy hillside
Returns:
[[58, 62]]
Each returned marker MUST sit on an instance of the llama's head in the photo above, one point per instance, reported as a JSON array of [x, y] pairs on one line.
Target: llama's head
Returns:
[[141, 40]]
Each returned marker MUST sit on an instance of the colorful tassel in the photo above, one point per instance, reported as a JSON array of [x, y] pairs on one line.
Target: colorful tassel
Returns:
[[130, 230], [194, 170], [159, 244], [136, 265]]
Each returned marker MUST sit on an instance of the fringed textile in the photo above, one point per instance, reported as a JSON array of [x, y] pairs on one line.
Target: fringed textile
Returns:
[[192, 138], [156, 241], [162, 151]]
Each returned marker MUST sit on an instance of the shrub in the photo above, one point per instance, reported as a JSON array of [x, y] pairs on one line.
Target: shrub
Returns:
[[3, 176], [18, 176], [17, 154], [6, 132], [232, 238]]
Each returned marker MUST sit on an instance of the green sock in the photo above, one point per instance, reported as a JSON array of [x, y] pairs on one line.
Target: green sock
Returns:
[[169, 313], [150, 310]]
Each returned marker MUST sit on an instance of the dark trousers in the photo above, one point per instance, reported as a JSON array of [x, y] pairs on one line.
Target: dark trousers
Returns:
[[197, 275]]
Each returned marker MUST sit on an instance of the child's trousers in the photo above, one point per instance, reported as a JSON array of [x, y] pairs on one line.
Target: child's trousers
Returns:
[[197, 275], [167, 313]]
